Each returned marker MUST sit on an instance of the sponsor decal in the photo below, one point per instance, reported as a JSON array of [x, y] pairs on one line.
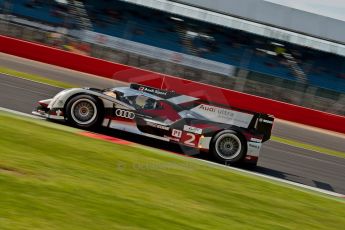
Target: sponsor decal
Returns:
[[154, 91], [172, 138], [192, 129], [265, 121], [255, 146], [176, 133], [225, 116], [253, 149], [158, 126], [208, 108], [255, 140], [125, 114]]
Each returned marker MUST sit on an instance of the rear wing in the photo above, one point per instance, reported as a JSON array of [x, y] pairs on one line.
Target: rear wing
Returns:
[[264, 125]]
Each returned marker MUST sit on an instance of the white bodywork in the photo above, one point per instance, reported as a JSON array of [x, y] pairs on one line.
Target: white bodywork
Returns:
[[203, 111]]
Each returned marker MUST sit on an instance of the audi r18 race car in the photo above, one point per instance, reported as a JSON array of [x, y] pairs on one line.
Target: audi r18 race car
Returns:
[[230, 135]]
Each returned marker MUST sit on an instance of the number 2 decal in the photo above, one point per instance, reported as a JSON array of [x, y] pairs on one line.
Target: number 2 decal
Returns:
[[191, 139]]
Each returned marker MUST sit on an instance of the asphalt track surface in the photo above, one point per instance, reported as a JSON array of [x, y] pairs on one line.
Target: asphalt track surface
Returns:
[[279, 160]]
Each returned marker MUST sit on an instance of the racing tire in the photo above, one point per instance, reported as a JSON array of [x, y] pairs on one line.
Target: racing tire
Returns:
[[84, 111], [228, 147]]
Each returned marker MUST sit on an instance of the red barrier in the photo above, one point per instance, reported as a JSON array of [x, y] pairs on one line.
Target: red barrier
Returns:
[[130, 74]]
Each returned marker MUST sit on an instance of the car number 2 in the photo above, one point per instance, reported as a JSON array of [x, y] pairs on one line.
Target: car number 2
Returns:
[[190, 139]]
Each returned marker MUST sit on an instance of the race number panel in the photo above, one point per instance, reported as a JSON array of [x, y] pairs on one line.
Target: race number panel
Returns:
[[190, 139]]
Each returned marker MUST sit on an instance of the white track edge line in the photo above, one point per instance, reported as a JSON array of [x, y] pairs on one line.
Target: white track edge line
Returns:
[[279, 180], [39, 82], [311, 150], [20, 113]]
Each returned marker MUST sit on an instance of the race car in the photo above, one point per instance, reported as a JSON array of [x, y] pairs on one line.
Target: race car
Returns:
[[230, 135]]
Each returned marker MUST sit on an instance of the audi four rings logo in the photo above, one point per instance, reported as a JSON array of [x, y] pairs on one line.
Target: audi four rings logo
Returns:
[[124, 114]]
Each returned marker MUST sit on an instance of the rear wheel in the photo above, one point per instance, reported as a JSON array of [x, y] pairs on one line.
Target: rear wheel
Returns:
[[84, 111], [228, 147]]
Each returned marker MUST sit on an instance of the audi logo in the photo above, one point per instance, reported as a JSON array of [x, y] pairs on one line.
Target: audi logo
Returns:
[[124, 114]]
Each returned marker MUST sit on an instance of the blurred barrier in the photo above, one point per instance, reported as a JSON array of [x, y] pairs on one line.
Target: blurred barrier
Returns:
[[243, 80], [58, 57], [158, 53], [211, 93]]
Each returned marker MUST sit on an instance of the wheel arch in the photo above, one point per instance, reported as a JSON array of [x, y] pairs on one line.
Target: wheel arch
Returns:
[[70, 97], [238, 130], [95, 122], [239, 133]]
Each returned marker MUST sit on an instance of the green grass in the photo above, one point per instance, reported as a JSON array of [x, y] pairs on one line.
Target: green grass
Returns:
[[56, 179], [308, 147], [37, 78]]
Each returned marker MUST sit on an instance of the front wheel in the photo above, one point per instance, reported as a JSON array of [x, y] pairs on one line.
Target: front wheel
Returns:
[[228, 147], [84, 111]]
